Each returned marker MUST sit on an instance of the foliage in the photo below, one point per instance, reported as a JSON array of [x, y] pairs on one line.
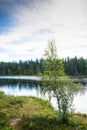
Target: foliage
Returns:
[[56, 83], [4, 123], [21, 67], [35, 114], [49, 123], [73, 66]]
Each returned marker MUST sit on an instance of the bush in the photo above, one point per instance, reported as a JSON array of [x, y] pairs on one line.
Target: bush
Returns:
[[4, 124]]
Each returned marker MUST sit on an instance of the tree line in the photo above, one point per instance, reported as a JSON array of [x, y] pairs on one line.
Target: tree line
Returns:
[[73, 66]]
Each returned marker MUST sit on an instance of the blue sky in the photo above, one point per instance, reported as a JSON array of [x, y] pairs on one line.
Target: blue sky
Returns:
[[26, 26]]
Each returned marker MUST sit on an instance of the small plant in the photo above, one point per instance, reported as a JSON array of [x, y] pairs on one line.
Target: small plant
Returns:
[[4, 123], [35, 114]]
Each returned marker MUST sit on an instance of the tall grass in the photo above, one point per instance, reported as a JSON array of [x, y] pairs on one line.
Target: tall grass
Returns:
[[34, 114]]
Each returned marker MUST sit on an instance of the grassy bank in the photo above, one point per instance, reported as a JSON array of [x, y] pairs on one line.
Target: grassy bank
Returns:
[[29, 113]]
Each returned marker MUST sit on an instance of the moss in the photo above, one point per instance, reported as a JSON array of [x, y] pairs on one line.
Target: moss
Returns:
[[35, 114]]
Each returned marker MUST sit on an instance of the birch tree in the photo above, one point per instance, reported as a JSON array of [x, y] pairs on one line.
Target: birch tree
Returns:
[[56, 83]]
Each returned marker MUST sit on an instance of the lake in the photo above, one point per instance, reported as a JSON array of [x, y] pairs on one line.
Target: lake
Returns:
[[29, 86]]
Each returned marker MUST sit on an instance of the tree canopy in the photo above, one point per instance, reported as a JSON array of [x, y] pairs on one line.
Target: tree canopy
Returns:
[[72, 66], [56, 83]]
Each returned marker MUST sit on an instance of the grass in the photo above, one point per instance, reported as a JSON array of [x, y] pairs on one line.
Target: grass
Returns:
[[29, 113]]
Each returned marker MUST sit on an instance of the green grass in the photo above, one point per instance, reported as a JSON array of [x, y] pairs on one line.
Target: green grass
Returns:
[[34, 114]]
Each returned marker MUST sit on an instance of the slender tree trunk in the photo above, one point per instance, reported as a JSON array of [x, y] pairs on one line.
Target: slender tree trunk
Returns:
[[64, 116], [58, 104]]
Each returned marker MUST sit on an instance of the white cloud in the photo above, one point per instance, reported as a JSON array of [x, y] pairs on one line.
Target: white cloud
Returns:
[[64, 21]]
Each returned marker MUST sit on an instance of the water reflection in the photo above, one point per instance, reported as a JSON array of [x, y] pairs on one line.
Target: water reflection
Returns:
[[81, 99], [31, 88], [19, 88]]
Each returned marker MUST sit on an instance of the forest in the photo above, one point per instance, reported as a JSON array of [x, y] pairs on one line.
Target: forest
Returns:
[[73, 67]]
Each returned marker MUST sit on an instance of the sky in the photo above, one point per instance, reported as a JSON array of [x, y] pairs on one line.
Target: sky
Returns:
[[26, 26]]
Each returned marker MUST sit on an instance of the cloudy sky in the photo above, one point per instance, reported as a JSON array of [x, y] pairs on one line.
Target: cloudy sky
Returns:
[[27, 25]]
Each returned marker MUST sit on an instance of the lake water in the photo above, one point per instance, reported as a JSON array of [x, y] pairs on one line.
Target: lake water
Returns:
[[25, 86]]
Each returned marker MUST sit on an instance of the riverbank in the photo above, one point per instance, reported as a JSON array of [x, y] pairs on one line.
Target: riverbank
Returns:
[[29, 113]]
